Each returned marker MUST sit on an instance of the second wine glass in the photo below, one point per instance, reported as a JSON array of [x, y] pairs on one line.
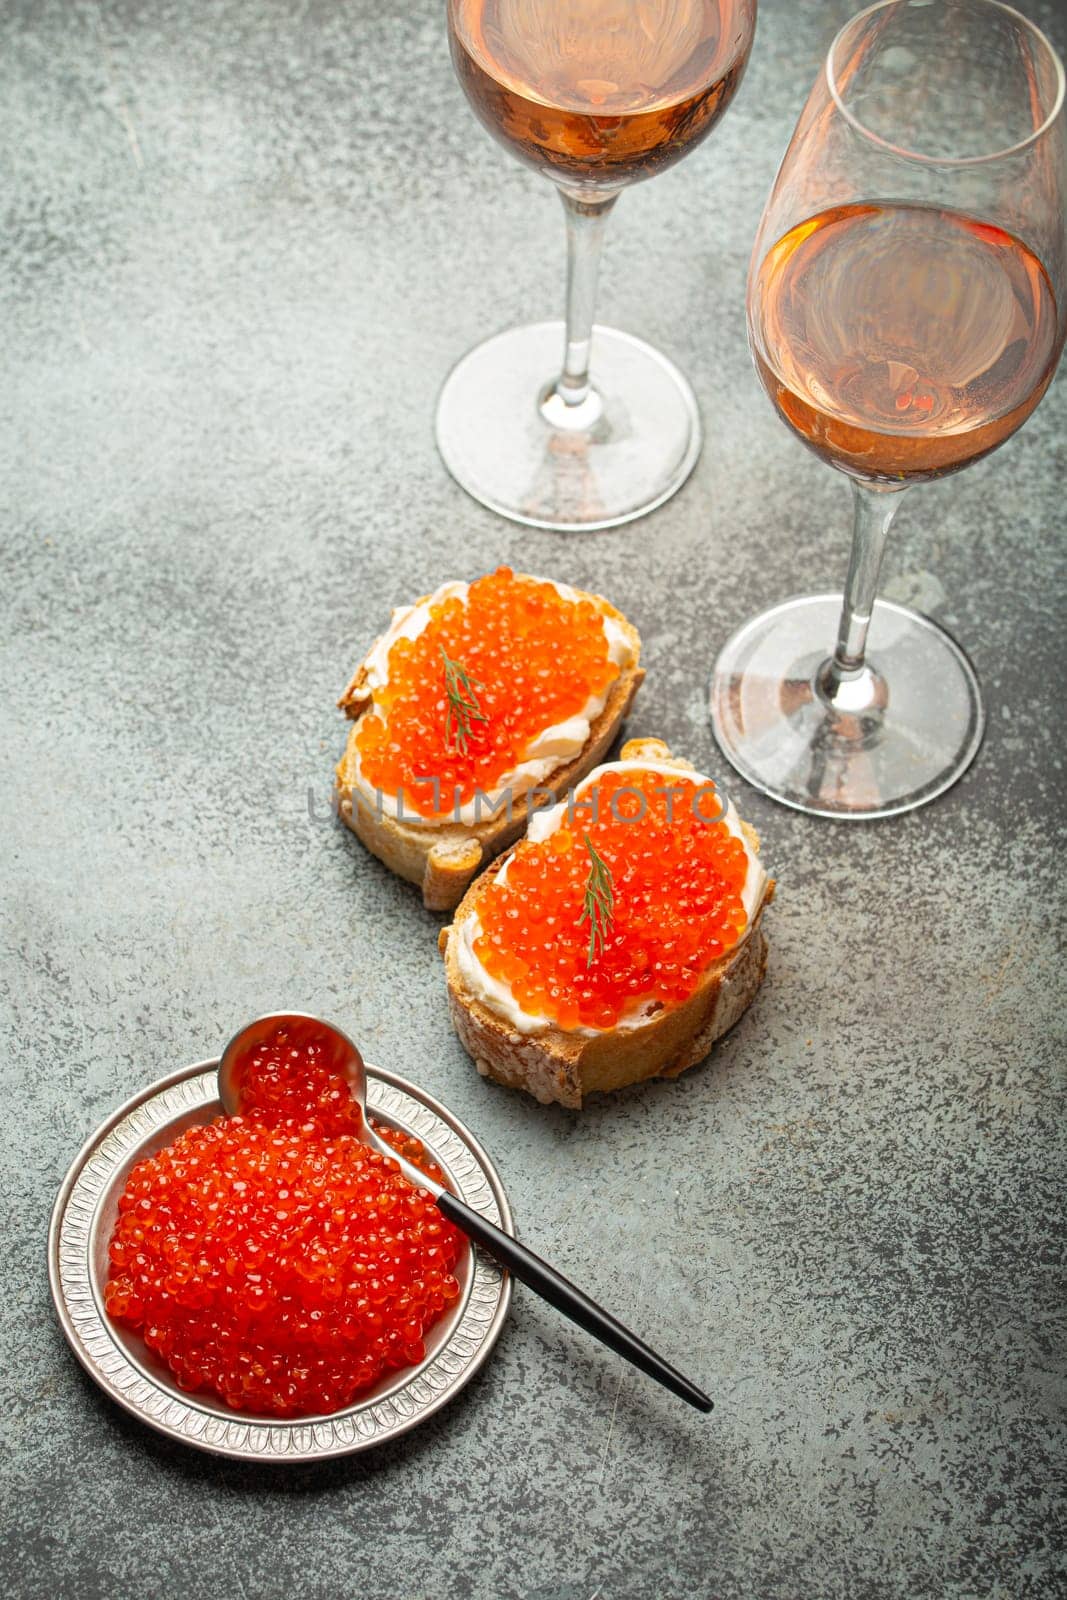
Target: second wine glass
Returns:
[[907, 307], [567, 425]]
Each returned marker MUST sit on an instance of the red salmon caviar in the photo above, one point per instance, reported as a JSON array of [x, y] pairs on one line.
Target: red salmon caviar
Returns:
[[535, 659], [287, 1079], [677, 883], [273, 1259]]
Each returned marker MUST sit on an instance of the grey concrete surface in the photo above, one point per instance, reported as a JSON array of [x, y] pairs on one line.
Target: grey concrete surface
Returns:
[[242, 244]]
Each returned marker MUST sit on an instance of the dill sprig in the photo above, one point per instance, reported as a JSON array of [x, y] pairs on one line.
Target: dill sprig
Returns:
[[463, 707], [599, 907]]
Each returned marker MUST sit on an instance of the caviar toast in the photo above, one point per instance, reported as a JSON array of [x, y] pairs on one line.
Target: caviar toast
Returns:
[[619, 939], [481, 704]]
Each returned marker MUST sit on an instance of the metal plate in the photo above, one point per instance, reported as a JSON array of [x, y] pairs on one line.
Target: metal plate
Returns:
[[84, 1215]]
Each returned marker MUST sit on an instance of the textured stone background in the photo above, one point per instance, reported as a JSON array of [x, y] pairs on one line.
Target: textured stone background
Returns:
[[242, 244]]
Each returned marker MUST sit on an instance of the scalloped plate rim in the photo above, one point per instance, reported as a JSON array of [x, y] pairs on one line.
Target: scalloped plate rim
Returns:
[[213, 1420]]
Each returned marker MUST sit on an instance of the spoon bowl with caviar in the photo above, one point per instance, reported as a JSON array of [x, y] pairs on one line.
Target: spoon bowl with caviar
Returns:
[[256, 1071]]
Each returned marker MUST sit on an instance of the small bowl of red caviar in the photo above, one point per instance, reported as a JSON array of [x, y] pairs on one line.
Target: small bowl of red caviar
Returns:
[[265, 1286]]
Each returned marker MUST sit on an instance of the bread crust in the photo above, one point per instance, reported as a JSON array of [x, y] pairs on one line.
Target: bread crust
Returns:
[[444, 860], [565, 1067]]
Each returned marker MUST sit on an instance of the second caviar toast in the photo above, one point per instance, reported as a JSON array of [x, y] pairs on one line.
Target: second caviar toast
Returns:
[[681, 952]]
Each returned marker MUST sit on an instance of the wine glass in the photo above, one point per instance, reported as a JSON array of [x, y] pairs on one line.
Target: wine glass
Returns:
[[906, 304], [594, 94]]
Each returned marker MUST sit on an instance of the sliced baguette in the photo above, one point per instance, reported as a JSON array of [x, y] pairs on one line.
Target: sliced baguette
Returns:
[[565, 1067], [443, 860]]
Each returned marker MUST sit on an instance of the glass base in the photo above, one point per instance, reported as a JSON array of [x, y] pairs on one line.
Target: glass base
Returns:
[[894, 736], [512, 444]]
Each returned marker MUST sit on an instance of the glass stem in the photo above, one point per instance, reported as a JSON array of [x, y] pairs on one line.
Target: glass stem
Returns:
[[571, 401], [873, 511]]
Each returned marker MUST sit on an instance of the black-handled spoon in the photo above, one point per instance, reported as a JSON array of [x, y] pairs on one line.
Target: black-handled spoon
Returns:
[[341, 1056]]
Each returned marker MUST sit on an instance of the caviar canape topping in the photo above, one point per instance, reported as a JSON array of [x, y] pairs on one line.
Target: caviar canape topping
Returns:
[[537, 658], [272, 1259], [677, 883]]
